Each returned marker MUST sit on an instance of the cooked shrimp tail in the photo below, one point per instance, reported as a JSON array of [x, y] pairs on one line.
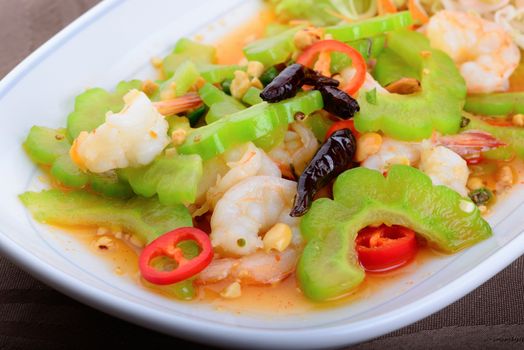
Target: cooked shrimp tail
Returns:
[[248, 209], [178, 105], [471, 142]]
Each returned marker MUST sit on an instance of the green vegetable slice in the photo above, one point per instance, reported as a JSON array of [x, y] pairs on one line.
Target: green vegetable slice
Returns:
[[391, 67], [51, 147], [370, 27], [146, 218], [216, 73], [414, 117], [110, 184], [329, 268], [252, 96], [503, 103], [249, 124], [368, 48], [186, 49], [273, 50], [68, 173], [45, 145], [175, 179], [92, 106]]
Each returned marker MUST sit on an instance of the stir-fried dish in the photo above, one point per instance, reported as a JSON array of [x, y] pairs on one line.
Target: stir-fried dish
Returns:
[[347, 137]]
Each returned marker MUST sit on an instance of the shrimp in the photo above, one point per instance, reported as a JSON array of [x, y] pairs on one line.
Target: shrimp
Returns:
[[180, 104], [132, 137], [227, 170], [393, 152], [257, 268], [484, 53], [478, 6], [512, 19], [299, 146], [442, 158], [244, 161], [444, 167], [249, 209]]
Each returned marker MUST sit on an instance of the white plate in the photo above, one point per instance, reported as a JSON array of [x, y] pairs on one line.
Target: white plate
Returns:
[[114, 41]]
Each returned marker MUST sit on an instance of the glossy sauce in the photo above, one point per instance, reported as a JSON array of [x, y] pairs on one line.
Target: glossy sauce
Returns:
[[281, 298], [121, 255], [516, 81], [284, 297], [229, 48]]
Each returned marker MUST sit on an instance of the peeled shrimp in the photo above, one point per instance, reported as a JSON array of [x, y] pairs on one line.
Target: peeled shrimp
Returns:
[[243, 162], [248, 209], [512, 20], [299, 146], [235, 165], [393, 152], [257, 268], [444, 167], [484, 53], [132, 137], [441, 158], [478, 6]]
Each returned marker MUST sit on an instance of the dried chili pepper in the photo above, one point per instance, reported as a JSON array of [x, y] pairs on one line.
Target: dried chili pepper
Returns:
[[338, 102], [311, 77], [285, 85], [291, 79], [332, 158]]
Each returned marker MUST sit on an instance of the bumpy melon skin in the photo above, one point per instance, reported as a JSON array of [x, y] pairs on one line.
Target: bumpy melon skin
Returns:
[[174, 179], [415, 116], [146, 218], [92, 106], [45, 145], [50, 147], [68, 173], [329, 268]]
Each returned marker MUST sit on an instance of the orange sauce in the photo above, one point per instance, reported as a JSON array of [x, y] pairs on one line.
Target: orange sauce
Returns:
[[284, 297], [516, 81], [122, 256], [281, 298], [229, 48]]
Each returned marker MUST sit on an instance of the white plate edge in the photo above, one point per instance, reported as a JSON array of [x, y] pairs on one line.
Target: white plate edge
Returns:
[[338, 335]]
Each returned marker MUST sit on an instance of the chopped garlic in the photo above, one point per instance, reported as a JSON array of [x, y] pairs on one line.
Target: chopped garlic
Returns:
[[234, 290], [105, 243], [466, 206], [255, 69], [278, 237]]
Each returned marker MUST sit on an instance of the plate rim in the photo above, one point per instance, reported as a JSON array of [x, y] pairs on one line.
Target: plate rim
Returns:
[[175, 325]]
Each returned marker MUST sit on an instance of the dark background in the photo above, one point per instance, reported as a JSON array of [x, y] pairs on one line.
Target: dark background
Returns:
[[33, 316]]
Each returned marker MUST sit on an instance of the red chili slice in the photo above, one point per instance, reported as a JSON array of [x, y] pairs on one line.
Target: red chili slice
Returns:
[[385, 248], [343, 124], [501, 122], [166, 245], [310, 54], [474, 160]]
